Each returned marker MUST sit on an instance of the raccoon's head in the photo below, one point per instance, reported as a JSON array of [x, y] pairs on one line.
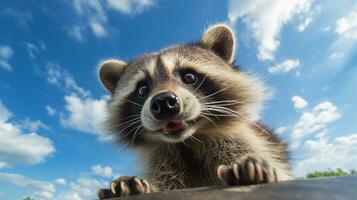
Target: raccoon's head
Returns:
[[180, 92]]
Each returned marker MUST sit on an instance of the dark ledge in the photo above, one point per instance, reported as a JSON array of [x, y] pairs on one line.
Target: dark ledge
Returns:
[[318, 189]]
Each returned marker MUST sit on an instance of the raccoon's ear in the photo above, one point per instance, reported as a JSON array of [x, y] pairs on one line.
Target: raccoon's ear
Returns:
[[110, 72], [220, 39]]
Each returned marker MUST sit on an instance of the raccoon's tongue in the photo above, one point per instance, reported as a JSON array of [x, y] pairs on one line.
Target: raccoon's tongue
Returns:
[[171, 127]]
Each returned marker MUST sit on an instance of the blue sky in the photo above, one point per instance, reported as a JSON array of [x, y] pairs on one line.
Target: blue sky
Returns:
[[52, 104]]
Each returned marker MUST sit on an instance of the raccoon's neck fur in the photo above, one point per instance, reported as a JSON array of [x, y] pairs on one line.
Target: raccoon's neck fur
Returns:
[[194, 162]]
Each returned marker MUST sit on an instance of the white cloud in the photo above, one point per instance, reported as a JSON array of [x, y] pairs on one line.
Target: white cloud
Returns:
[[299, 102], [60, 181], [307, 20], [50, 111], [92, 15], [266, 19], [85, 114], [5, 65], [280, 130], [322, 153], [23, 17], [32, 125], [98, 29], [45, 189], [344, 45], [43, 195], [32, 49], [6, 53], [285, 66], [303, 25], [17, 147], [103, 171], [23, 181], [83, 188], [3, 165], [4, 113], [81, 112], [76, 32], [129, 6], [347, 26], [63, 79], [337, 55], [315, 120], [70, 196]]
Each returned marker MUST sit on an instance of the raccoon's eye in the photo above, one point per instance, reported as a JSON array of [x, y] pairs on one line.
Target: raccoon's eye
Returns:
[[143, 90], [189, 77]]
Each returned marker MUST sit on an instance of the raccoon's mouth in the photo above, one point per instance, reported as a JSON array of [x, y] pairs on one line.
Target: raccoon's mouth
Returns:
[[174, 127]]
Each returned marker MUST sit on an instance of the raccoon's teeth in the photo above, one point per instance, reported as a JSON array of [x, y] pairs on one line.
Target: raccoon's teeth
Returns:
[[172, 127]]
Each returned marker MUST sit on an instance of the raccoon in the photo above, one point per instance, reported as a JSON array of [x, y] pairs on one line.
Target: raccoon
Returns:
[[192, 117]]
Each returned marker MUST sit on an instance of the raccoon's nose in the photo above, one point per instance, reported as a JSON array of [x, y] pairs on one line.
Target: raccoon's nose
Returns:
[[165, 105]]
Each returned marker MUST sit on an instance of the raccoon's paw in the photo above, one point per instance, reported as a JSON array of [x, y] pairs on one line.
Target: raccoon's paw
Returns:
[[125, 186], [247, 171]]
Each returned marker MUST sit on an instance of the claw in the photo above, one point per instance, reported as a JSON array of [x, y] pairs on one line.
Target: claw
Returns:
[[146, 186], [258, 173], [250, 170], [113, 186], [221, 171], [139, 185], [123, 188], [247, 171], [235, 167], [275, 176]]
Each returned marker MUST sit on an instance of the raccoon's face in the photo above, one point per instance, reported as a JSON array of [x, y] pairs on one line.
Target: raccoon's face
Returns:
[[179, 92]]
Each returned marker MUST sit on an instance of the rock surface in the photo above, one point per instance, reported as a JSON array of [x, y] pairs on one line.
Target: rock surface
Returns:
[[340, 188]]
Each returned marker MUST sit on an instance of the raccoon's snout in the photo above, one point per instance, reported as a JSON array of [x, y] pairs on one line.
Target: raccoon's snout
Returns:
[[165, 105]]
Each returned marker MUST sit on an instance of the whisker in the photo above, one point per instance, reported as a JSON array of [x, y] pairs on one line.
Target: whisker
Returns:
[[224, 101], [130, 116], [128, 121], [236, 113], [219, 110], [209, 113], [210, 95], [204, 78], [209, 119], [135, 103], [224, 104], [218, 115], [127, 126], [122, 138], [137, 129], [128, 133], [193, 137], [254, 123]]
